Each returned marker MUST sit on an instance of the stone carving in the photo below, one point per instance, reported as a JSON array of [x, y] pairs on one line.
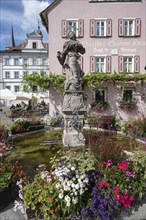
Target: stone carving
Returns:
[[68, 58], [73, 103]]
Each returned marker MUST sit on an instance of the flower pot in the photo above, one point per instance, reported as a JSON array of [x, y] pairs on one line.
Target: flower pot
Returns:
[[8, 195]]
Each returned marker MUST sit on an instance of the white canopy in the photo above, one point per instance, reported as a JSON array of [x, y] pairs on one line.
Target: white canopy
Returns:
[[6, 94]]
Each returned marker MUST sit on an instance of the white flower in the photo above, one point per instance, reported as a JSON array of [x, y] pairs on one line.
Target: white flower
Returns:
[[72, 168], [81, 191], [67, 198], [19, 206], [74, 200], [73, 185], [65, 188], [68, 204], [60, 195], [77, 186], [57, 185], [60, 179]]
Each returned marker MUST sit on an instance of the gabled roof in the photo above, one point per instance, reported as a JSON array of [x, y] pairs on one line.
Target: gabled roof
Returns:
[[45, 12]]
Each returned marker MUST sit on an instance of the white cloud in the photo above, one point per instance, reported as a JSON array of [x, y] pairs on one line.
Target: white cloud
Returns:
[[31, 14]]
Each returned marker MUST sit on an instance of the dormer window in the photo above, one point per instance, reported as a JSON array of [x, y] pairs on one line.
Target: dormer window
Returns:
[[34, 45]]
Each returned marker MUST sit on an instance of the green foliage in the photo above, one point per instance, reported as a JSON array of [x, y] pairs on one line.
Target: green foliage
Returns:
[[84, 160], [21, 125], [135, 128], [43, 81], [94, 79]]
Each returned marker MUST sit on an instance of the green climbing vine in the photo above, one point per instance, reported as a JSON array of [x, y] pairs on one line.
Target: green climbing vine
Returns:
[[93, 80]]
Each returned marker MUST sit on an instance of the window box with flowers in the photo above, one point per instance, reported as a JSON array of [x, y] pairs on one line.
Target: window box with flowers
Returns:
[[127, 105], [99, 106]]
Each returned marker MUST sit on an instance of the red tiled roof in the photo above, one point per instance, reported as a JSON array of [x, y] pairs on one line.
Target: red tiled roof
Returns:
[[18, 47]]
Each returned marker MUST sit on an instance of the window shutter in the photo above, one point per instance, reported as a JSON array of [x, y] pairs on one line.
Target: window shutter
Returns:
[[108, 64], [81, 28], [121, 64], [92, 64], [64, 28], [109, 27], [137, 27], [92, 27], [80, 61], [137, 64], [121, 27]]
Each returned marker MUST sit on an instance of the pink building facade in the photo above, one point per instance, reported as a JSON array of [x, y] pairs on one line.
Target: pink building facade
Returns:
[[114, 36]]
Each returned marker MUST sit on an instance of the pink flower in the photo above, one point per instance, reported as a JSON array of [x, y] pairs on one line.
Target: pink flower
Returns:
[[105, 184], [128, 173], [108, 163], [100, 184], [123, 165], [116, 190]]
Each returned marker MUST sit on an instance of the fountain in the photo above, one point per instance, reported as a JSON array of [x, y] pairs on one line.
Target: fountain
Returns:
[[73, 104]]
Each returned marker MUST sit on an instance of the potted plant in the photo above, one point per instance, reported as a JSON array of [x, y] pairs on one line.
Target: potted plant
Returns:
[[10, 173]]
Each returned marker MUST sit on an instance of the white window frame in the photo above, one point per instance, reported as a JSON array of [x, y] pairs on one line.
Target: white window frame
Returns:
[[77, 26], [7, 75], [100, 63], [34, 62], [127, 63], [16, 62], [16, 75], [100, 31], [7, 61], [25, 61], [127, 33]]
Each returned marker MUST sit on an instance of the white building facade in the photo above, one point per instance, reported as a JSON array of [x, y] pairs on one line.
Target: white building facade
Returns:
[[18, 61]]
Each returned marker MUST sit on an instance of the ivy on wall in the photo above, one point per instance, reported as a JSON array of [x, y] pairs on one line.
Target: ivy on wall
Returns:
[[91, 79]]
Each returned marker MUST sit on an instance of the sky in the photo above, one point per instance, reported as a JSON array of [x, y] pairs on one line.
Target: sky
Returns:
[[23, 15]]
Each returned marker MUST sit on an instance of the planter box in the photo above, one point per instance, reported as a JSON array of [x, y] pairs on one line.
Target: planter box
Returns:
[[8, 195]]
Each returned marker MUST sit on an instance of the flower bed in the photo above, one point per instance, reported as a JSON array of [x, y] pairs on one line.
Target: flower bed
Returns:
[[81, 187]]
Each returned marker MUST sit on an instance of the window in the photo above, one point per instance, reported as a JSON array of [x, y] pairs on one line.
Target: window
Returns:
[[16, 62], [100, 64], [24, 73], [34, 62], [100, 95], [129, 64], [25, 61], [16, 75], [100, 28], [44, 61], [16, 88], [127, 95], [34, 45], [75, 25], [7, 61], [34, 89], [129, 27], [7, 75], [8, 87]]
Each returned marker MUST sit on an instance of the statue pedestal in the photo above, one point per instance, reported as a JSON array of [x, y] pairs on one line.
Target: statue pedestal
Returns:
[[72, 134], [73, 139]]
